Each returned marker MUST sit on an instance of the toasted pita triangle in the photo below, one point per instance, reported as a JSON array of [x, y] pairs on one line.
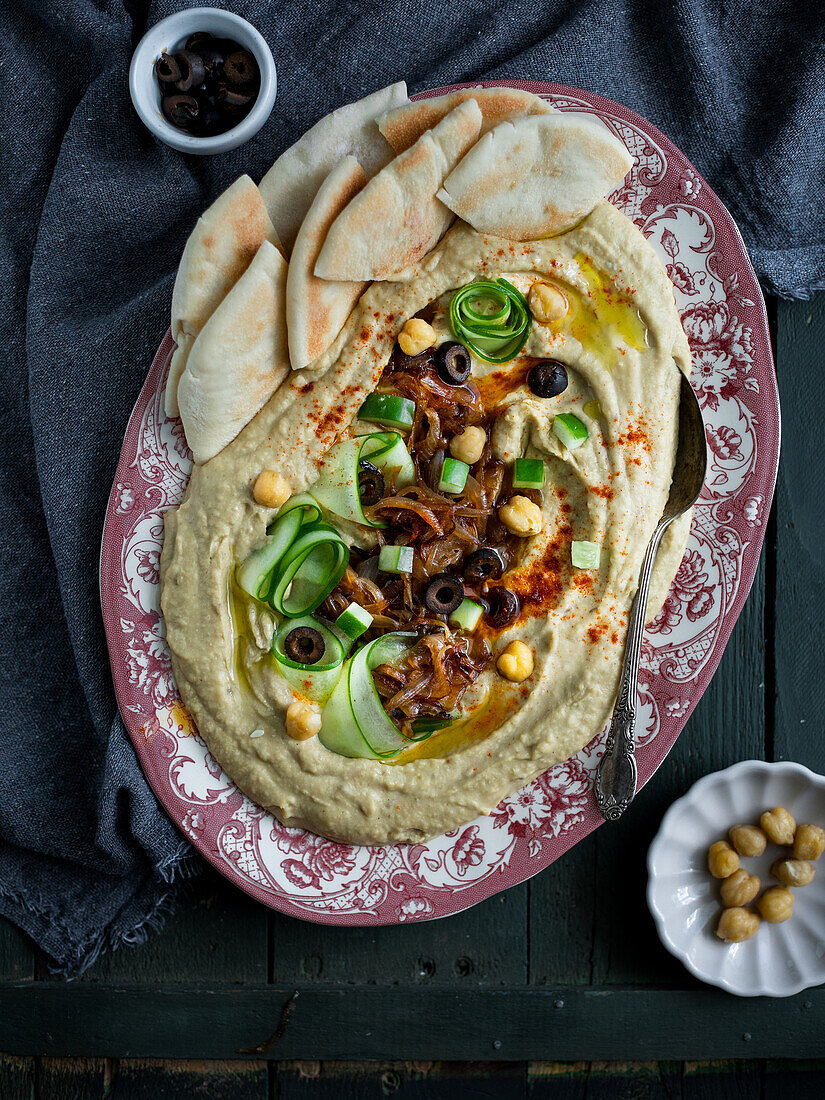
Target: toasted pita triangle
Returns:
[[239, 359], [396, 219], [292, 182], [316, 309], [536, 176], [219, 249], [404, 125]]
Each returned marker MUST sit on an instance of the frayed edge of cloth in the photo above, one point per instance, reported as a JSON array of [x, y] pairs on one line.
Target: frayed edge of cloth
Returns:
[[127, 928]]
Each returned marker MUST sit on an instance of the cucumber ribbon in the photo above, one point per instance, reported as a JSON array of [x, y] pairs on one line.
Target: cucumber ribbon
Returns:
[[300, 563], [336, 490], [303, 557], [354, 722], [492, 319]]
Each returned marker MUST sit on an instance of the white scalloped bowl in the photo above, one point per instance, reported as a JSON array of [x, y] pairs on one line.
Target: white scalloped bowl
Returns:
[[781, 959]]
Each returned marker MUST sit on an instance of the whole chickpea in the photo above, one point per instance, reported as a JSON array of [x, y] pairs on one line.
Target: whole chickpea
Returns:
[[776, 904], [516, 662], [416, 336], [748, 840], [722, 860], [303, 720], [469, 445], [521, 516], [270, 489], [779, 825], [737, 924], [808, 842], [793, 872], [547, 303], [739, 888]]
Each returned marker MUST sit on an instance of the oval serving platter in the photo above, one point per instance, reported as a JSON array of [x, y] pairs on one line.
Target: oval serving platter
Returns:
[[310, 877]]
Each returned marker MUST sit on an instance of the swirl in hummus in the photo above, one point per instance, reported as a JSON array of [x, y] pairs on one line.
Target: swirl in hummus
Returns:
[[621, 342]]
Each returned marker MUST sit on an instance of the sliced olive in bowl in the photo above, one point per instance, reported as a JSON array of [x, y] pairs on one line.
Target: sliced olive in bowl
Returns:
[[213, 61], [483, 564], [192, 70], [234, 99], [304, 645], [444, 593], [240, 67], [504, 606], [371, 484], [548, 379], [167, 70], [452, 361], [197, 40], [181, 110]]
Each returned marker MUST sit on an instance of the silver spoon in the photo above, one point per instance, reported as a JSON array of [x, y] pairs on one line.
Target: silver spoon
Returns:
[[616, 774]]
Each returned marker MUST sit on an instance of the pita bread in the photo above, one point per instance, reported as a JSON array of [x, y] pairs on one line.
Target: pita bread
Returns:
[[396, 219], [315, 308], [292, 182], [403, 126], [239, 359], [536, 176], [219, 250]]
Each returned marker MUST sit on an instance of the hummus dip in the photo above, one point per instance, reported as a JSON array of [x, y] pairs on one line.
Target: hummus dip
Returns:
[[622, 343]]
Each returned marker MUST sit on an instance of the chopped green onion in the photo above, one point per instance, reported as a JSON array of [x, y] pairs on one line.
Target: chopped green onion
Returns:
[[585, 555], [388, 408], [453, 476], [337, 490], [491, 319], [569, 430], [395, 559], [316, 681], [354, 722], [467, 615], [528, 473], [354, 620]]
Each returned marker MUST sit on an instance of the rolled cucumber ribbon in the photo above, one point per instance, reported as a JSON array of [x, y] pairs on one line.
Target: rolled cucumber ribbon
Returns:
[[492, 319]]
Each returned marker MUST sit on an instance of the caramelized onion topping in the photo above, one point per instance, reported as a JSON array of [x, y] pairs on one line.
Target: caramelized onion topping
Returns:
[[445, 531]]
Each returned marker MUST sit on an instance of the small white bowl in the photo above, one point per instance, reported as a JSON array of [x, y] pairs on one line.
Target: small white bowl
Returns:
[[169, 35], [781, 959]]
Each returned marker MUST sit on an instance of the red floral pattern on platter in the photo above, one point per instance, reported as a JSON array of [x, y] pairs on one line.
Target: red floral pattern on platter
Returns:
[[308, 876]]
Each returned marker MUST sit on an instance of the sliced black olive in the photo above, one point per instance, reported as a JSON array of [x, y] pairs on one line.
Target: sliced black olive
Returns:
[[192, 70], [213, 60], [304, 645], [198, 40], [548, 379], [371, 484], [234, 100], [482, 564], [240, 67], [504, 606], [453, 363], [181, 110], [444, 593], [167, 70]]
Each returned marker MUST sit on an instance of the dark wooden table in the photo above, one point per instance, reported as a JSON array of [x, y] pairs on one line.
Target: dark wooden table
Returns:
[[557, 988]]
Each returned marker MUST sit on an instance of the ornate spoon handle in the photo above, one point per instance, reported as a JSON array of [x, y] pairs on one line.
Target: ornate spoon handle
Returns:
[[615, 783]]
